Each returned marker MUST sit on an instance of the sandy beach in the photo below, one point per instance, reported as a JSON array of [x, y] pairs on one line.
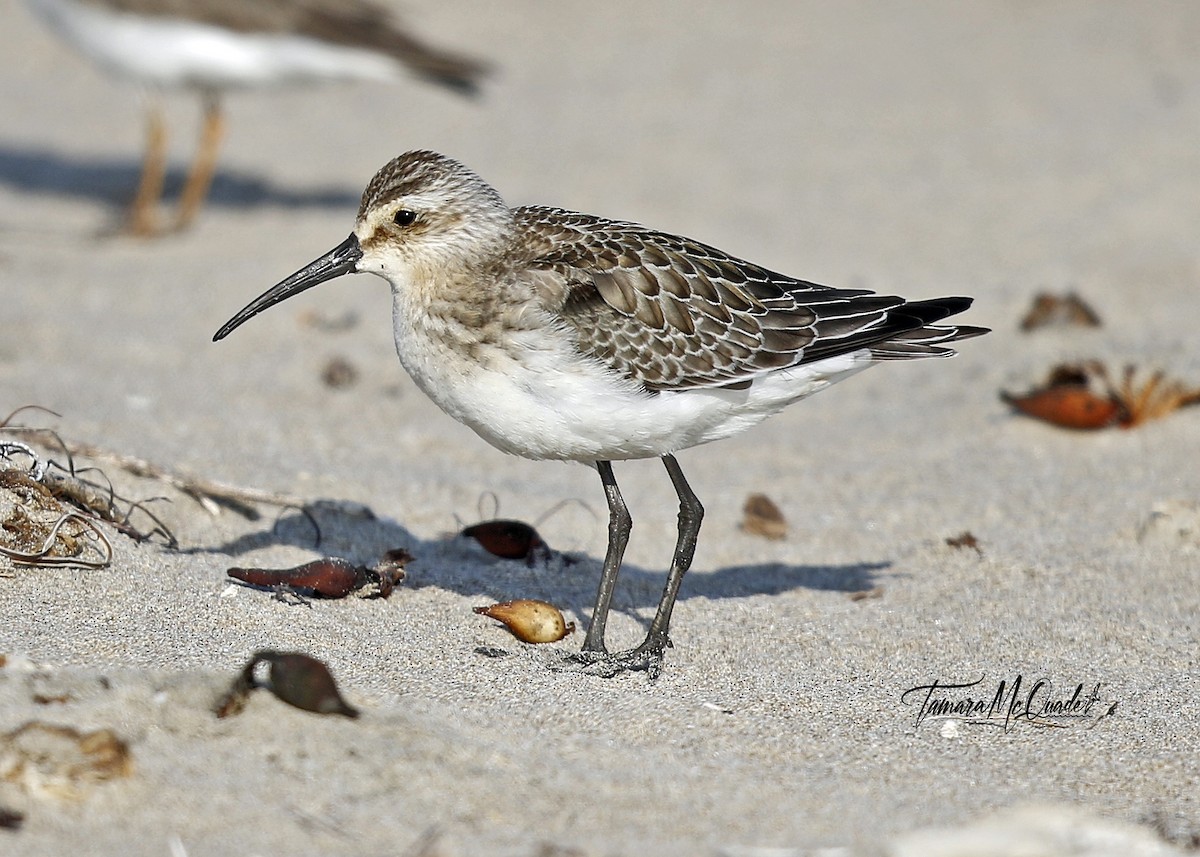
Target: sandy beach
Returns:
[[993, 149]]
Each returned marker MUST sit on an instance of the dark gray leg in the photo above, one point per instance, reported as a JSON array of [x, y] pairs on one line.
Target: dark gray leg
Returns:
[[619, 526], [648, 655], [691, 514]]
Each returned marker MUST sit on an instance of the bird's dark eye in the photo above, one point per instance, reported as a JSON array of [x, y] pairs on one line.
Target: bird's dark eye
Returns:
[[404, 217]]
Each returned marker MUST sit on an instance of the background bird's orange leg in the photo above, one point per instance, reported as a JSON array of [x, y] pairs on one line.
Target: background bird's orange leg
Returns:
[[142, 211], [200, 177]]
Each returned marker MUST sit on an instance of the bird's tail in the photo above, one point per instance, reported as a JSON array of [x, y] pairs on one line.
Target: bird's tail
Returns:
[[918, 336]]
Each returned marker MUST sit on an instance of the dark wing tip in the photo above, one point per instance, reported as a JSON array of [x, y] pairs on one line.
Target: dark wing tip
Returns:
[[935, 309], [939, 308], [364, 26], [966, 331], [462, 75]]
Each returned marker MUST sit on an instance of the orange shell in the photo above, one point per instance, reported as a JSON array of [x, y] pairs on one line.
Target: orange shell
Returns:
[[1072, 407], [530, 620]]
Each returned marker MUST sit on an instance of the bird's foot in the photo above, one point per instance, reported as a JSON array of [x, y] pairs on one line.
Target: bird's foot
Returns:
[[647, 657], [140, 222]]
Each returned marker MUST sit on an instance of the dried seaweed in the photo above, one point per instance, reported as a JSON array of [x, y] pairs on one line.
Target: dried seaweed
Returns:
[[1069, 310], [37, 529], [1085, 396], [69, 499], [51, 761]]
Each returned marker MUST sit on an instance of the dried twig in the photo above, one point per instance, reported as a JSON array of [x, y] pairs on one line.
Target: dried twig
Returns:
[[208, 493]]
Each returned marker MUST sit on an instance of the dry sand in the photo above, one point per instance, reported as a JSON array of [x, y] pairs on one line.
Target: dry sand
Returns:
[[993, 149]]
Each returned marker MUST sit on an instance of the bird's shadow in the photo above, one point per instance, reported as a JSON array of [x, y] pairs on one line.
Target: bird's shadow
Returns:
[[458, 564], [112, 181]]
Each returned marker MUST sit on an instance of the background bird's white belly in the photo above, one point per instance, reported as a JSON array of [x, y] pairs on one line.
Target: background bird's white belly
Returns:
[[183, 53]]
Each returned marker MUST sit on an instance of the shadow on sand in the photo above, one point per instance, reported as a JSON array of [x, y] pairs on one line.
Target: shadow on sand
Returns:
[[112, 181], [459, 565]]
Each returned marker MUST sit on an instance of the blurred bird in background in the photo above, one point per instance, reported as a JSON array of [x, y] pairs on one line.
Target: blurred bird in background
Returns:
[[210, 46]]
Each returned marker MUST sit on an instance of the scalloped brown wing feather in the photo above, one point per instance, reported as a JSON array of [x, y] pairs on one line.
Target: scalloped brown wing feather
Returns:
[[673, 314]]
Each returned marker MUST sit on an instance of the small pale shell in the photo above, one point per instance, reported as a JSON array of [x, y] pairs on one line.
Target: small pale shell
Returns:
[[530, 621]]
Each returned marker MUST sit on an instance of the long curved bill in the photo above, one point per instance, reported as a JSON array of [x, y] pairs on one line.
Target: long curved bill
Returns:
[[342, 259]]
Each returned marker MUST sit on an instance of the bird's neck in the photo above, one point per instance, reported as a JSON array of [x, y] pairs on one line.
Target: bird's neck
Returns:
[[448, 305]]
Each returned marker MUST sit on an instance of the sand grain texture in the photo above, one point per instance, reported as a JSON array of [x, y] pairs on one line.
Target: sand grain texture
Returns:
[[994, 149]]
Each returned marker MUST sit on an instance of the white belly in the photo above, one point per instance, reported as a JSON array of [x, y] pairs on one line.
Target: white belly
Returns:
[[545, 401]]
